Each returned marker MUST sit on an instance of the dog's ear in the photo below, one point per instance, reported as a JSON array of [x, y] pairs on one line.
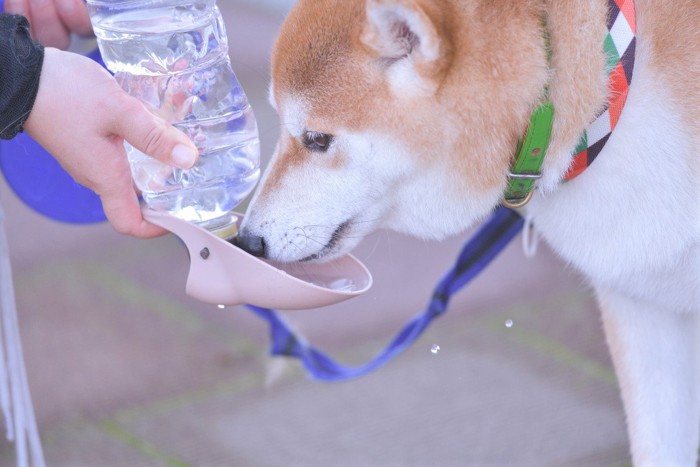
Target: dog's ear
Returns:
[[405, 32]]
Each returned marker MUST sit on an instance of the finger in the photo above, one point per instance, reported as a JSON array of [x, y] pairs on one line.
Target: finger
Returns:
[[116, 190], [46, 27], [125, 216], [154, 136], [18, 7], [74, 16]]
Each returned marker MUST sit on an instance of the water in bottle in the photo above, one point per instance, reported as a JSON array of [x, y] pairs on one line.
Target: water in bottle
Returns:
[[173, 56]]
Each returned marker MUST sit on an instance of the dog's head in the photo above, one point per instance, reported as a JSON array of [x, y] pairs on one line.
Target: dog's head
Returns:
[[398, 114]]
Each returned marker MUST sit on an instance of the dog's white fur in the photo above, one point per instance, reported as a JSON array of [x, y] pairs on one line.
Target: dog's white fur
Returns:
[[422, 143]]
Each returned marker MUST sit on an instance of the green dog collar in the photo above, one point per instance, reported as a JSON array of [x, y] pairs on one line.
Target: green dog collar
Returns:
[[529, 157]]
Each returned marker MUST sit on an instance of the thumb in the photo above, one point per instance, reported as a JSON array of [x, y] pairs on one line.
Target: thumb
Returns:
[[154, 136]]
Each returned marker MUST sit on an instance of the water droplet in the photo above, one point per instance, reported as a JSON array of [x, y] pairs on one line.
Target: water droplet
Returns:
[[221, 307], [509, 323], [435, 349]]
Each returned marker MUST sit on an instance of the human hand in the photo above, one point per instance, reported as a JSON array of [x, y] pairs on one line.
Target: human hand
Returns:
[[53, 21], [81, 116]]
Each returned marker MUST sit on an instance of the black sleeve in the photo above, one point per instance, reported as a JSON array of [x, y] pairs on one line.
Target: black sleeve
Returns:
[[20, 69]]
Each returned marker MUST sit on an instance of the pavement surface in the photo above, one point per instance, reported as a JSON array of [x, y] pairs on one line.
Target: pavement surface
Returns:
[[126, 370]]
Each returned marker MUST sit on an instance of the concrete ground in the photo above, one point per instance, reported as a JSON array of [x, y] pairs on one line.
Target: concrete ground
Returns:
[[126, 370]]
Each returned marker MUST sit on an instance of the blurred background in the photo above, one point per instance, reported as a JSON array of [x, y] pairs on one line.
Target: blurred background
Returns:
[[126, 370]]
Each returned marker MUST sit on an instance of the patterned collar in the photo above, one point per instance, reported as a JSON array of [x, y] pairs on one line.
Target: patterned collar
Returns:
[[620, 46]]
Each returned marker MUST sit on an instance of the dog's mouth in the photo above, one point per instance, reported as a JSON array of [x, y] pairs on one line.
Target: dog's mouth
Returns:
[[332, 244]]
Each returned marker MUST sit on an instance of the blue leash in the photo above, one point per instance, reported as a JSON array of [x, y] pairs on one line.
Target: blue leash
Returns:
[[478, 252]]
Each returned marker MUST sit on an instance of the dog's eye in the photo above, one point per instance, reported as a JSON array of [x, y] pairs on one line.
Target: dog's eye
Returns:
[[318, 142]]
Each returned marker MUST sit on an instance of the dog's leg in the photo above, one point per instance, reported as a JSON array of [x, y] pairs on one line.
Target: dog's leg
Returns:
[[655, 357]]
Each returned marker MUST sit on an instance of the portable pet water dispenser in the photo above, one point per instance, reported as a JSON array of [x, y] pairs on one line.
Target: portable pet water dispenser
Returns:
[[227, 276]]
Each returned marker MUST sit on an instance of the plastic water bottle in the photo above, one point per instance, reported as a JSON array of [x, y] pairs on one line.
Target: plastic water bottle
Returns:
[[173, 56]]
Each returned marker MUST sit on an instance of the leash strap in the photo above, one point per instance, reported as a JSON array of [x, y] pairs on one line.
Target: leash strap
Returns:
[[478, 252]]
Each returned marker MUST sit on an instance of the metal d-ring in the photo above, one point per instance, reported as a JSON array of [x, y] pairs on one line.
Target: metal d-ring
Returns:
[[518, 203]]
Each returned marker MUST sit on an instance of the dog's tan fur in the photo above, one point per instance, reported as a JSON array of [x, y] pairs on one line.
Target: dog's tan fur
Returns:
[[426, 101]]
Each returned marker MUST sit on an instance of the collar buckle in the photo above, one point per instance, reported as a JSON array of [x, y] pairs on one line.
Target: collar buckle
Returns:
[[525, 176]]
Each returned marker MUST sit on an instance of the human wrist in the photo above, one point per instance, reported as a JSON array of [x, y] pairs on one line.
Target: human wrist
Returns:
[[21, 61]]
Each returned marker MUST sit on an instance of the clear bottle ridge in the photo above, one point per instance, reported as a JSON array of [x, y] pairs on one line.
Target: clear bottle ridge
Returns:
[[173, 56]]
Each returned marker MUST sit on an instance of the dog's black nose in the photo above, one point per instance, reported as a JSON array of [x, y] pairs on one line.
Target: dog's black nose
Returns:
[[253, 244]]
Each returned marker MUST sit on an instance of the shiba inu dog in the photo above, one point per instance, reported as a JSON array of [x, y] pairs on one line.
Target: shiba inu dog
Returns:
[[405, 114]]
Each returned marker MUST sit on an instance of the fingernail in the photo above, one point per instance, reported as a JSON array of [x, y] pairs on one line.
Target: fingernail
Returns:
[[183, 156], [66, 6]]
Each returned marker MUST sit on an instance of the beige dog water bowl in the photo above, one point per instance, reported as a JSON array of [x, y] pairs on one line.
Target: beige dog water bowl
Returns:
[[223, 274]]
